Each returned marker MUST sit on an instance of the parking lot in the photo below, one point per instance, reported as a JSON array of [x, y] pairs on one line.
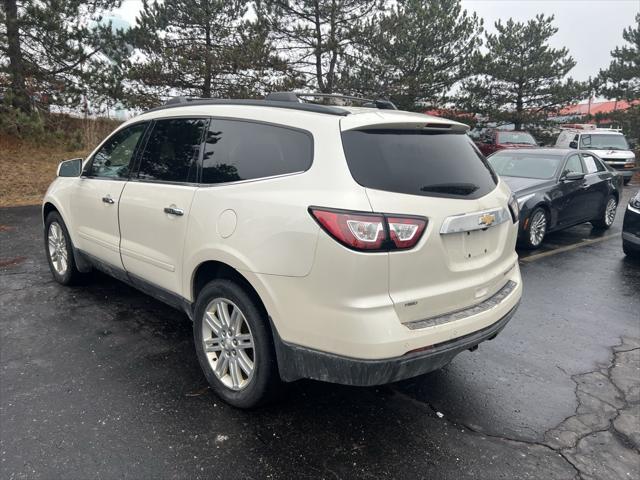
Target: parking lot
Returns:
[[102, 381]]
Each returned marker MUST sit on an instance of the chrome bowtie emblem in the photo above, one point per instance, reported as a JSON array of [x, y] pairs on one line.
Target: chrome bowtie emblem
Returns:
[[487, 219]]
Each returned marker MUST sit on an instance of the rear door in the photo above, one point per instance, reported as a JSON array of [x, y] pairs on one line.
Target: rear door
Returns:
[[596, 185], [96, 199], [155, 204], [468, 245]]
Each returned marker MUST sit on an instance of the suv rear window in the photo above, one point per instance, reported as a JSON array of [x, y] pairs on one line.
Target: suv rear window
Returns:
[[428, 163]]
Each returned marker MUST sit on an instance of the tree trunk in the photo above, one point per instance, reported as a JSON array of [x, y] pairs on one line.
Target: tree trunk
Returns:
[[318, 52], [517, 124], [206, 88], [16, 67]]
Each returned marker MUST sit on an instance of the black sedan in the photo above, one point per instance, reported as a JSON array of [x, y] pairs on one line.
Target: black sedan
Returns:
[[631, 228], [558, 188]]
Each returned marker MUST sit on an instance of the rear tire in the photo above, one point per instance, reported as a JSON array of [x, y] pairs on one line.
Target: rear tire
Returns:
[[59, 250], [626, 180], [536, 229], [234, 345], [608, 214]]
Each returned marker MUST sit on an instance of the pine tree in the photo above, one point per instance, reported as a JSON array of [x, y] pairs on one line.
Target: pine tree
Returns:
[[316, 36], [202, 48], [521, 79], [48, 46], [415, 53], [621, 80]]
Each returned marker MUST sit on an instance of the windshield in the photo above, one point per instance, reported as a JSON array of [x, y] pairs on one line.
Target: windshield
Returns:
[[507, 138], [435, 164], [521, 164], [603, 141]]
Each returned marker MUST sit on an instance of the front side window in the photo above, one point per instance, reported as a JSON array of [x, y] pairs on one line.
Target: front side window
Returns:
[[428, 163], [172, 150], [574, 165], [241, 150], [114, 157]]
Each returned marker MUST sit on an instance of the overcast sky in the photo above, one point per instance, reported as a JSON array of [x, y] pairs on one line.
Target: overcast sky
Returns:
[[590, 29]]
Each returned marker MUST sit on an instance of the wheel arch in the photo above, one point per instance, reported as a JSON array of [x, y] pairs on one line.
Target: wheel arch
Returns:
[[547, 209], [213, 270], [47, 208]]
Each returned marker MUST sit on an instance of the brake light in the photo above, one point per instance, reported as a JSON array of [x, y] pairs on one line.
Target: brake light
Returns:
[[370, 231]]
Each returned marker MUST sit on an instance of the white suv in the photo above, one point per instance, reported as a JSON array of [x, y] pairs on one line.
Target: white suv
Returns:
[[609, 144], [352, 245]]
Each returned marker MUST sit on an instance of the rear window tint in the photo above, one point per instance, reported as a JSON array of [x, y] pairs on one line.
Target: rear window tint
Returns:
[[425, 163], [241, 150]]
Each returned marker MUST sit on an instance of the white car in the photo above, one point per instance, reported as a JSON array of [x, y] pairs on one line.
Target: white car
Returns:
[[353, 245], [609, 144]]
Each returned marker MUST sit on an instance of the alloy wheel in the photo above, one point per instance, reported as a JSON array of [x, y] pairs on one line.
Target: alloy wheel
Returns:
[[538, 228], [610, 212], [58, 248], [228, 343]]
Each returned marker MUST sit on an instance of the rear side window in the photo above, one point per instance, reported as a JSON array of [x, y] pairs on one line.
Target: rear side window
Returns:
[[425, 163], [172, 150], [592, 164], [240, 150]]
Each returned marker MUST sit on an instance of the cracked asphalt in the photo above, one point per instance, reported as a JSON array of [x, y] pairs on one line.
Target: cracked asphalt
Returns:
[[101, 381]]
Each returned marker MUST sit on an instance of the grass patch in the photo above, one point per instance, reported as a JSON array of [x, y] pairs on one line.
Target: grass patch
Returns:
[[29, 162]]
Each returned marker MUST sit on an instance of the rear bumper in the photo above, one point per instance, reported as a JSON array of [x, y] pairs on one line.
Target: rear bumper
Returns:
[[296, 362]]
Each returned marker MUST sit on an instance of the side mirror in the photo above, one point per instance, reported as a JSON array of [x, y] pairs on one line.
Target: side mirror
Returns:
[[70, 168], [573, 144], [573, 176]]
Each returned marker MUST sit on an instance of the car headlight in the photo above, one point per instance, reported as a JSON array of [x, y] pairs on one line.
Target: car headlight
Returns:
[[635, 201], [514, 208]]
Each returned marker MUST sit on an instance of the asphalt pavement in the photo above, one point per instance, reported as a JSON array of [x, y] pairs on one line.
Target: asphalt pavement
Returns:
[[102, 381]]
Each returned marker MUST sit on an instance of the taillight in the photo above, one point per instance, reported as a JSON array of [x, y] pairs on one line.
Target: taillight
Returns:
[[406, 231], [370, 231]]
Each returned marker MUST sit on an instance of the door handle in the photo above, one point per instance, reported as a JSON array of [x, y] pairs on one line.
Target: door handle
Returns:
[[108, 199], [174, 211]]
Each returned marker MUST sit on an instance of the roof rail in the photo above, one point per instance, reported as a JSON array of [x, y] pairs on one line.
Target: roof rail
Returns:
[[295, 97], [176, 102]]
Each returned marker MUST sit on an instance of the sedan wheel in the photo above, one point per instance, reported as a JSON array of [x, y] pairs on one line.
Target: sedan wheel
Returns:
[[537, 228], [228, 343], [610, 212], [607, 215]]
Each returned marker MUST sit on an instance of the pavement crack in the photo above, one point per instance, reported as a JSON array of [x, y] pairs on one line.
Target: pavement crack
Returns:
[[600, 403]]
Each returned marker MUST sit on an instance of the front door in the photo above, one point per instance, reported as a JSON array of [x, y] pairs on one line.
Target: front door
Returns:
[[155, 204], [94, 204], [571, 204]]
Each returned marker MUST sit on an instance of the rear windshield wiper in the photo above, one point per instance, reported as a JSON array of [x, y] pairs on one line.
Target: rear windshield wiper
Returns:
[[452, 188]]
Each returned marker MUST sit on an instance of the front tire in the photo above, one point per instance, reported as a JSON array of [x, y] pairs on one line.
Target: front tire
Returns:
[[59, 250], [626, 180], [608, 215], [536, 229], [234, 345]]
